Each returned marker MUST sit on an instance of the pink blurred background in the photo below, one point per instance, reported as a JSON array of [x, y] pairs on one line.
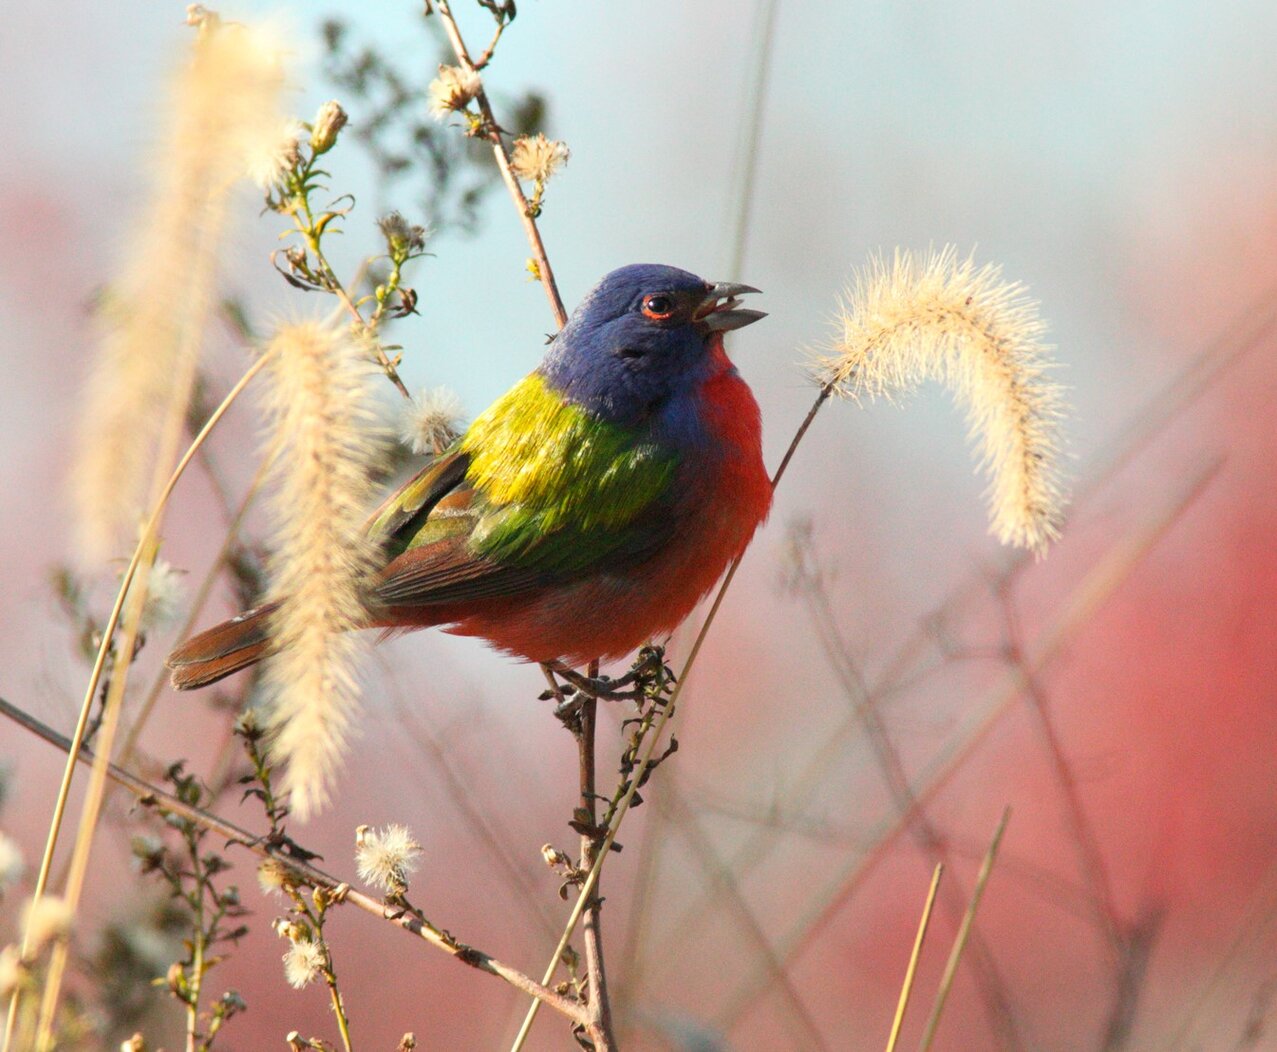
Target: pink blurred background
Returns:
[[1116, 158]]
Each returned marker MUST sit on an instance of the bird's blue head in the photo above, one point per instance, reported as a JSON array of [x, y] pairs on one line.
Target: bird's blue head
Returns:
[[641, 336]]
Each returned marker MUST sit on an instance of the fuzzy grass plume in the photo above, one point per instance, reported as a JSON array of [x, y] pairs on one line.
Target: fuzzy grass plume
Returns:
[[322, 439], [224, 114], [946, 319]]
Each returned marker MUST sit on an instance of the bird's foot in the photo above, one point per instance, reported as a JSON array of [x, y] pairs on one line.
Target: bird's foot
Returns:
[[601, 688]]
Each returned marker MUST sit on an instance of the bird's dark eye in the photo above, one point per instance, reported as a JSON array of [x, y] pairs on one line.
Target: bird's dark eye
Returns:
[[629, 352], [658, 306]]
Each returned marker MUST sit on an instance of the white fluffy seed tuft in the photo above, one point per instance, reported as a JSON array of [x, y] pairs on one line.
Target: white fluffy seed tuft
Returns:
[[536, 158], [453, 89], [431, 422], [303, 961], [385, 857]]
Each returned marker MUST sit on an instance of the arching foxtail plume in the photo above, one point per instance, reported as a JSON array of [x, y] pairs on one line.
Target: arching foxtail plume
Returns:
[[943, 318]]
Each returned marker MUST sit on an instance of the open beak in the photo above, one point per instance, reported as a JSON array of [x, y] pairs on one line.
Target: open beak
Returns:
[[720, 310]]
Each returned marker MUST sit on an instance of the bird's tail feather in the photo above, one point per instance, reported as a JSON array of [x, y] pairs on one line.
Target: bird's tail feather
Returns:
[[222, 649]]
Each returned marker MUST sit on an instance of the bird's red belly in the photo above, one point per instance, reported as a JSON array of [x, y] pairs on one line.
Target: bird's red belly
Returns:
[[606, 616]]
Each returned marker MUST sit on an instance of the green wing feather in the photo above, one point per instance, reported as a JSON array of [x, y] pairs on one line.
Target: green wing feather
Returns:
[[561, 488], [537, 490]]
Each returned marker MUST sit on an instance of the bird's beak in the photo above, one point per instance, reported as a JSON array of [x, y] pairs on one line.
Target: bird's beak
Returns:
[[720, 310]]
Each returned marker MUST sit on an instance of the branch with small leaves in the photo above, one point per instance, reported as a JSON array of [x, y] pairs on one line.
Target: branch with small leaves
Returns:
[[297, 861], [291, 192], [190, 877], [308, 956]]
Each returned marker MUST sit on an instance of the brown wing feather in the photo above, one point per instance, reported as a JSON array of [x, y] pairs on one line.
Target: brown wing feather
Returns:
[[446, 571]]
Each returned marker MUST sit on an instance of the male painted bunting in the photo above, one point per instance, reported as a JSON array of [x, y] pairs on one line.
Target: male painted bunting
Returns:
[[589, 508]]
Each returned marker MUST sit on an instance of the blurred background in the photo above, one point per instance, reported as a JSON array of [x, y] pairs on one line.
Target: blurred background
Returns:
[[883, 680]]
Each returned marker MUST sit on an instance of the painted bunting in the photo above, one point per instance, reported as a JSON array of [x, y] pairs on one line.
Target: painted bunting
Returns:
[[589, 508]]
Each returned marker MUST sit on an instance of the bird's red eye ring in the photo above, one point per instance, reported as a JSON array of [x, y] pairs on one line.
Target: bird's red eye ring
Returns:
[[658, 306]]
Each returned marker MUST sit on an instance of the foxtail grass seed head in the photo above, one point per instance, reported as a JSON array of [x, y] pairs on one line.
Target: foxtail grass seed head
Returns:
[[454, 89], [946, 319], [330, 120], [536, 158], [303, 962], [385, 857], [324, 443], [223, 106], [431, 422]]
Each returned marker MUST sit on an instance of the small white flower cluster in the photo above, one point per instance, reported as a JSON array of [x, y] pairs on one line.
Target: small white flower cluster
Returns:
[[44, 920], [304, 958], [273, 159], [165, 592], [303, 962]]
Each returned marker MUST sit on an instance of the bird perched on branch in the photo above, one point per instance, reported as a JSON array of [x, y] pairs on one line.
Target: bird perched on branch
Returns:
[[588, 509]]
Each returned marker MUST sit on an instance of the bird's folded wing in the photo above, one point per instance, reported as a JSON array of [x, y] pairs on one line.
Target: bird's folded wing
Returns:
[[393, 523], [537, 492], [446, 560], [438, 564]]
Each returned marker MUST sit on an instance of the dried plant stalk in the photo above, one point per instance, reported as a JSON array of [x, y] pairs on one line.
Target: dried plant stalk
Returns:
[[322, 411], [224, 119], [943, 318]]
